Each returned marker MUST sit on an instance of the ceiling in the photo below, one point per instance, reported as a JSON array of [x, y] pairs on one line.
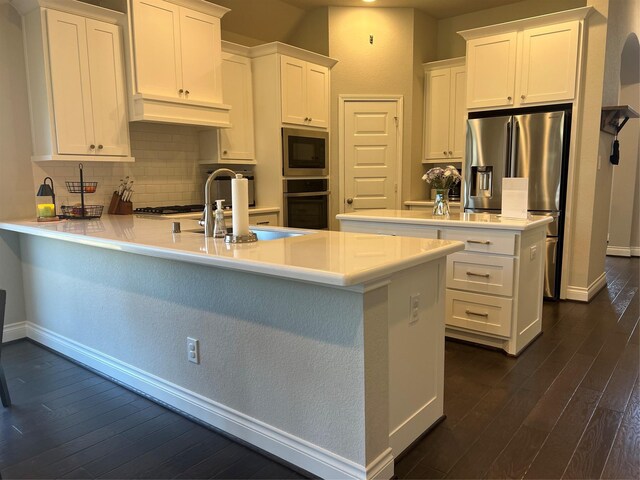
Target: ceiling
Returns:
[[435, 8]]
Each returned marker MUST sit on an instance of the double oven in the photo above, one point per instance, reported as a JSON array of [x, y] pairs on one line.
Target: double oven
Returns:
[[305, 168]]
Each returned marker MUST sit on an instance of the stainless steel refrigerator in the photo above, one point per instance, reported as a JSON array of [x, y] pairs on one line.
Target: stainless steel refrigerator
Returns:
[[532, 144]]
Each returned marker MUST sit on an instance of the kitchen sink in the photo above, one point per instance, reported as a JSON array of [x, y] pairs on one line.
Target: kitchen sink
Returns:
[[263, 234]]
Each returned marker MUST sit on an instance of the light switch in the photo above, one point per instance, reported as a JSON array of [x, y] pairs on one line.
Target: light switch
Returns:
[[414, 304]]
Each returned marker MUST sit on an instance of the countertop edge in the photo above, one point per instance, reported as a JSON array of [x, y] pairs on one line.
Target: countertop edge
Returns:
[[289, 272], [518, 225]]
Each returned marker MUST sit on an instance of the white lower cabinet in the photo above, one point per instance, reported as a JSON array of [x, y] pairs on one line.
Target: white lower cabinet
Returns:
[[493, 287], [264, 219]]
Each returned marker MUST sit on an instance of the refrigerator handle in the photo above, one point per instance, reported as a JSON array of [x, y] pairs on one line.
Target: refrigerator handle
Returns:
[[508, 166], [513, 170]]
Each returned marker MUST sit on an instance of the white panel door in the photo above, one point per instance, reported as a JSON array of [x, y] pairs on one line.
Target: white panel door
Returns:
[[370, 155], [491, 65], [438, 93], [237, 142], [317, 93], [156, 24], [549, 62], [107, 89], [293, 73], [201, 62], [458, 112], [72, 109]]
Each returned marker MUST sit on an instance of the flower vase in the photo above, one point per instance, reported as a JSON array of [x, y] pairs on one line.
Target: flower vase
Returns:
[[441, 203]]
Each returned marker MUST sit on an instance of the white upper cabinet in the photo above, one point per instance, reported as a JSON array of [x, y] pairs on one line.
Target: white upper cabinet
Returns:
[[235, 144], [549, 63], [76, 82], [305, 92], [527, 62], [445, 111], [176, 58], [491, 64]]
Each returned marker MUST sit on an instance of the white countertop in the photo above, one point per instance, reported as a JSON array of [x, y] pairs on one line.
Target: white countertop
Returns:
[[325, 257], [473, 220]]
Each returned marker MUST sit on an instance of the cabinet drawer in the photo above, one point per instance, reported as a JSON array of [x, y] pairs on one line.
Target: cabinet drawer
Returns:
[[486, 241], [265, 219], [480, 273], [384, 228], [481, 313]]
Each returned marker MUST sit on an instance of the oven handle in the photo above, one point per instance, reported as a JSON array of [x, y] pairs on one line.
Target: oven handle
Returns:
[[307, 194]]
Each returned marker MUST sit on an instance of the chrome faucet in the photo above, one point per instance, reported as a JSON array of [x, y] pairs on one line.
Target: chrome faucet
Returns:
[[208, 201]]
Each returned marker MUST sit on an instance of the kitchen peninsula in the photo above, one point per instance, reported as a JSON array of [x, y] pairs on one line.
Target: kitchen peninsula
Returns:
[[323, 348], [494, 288]]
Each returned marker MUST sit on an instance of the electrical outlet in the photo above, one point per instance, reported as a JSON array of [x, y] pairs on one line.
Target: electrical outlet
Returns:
[[193, 350], [414, 304], [599, 162], [533, 251]]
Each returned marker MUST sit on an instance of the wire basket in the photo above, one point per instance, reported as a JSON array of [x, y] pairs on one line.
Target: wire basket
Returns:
[[90, 211], [77, 187]]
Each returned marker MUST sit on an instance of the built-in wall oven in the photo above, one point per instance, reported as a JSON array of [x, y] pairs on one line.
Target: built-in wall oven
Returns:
[[304, 153], [306, 203]]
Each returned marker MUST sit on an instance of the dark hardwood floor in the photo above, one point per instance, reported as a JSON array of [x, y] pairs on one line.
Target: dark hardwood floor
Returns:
[[568, 407]]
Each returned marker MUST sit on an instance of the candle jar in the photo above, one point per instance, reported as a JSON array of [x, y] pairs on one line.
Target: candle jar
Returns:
[[46, 201]]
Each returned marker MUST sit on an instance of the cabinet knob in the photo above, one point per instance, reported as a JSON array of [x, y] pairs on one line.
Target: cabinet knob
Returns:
[[224, 152], [349, 201], [509, 98], [306, 119], [92, 146], [450, 152], [186, 92], [522, 97], [444, 152], [310, 119], [181, 91], [100, 147]]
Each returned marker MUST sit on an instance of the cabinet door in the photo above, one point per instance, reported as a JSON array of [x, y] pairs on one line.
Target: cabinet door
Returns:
[[156, 24], [437, 111], [491, 66], [293, 73], [107, 88], [549, 62], [317, 93], [70, 85], [237, 143], [458, 112], [201, 61]]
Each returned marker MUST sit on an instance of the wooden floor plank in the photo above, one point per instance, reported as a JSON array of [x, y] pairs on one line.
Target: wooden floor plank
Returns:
[[591, 455]]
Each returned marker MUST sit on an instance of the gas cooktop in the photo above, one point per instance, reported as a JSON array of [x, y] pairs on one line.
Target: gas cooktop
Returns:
[[170, 210]]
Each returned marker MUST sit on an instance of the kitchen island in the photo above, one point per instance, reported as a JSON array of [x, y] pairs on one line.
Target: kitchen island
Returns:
[[323, 348], [495, 287]]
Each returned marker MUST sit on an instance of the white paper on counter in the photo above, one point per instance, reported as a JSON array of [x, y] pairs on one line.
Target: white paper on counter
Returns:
[[515, 198], [240, 205]]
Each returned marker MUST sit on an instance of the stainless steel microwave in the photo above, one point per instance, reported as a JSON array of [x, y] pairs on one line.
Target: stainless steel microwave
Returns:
[[305, 152]]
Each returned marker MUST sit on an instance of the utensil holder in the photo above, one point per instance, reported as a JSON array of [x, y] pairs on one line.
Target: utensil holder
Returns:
[[119, 206]]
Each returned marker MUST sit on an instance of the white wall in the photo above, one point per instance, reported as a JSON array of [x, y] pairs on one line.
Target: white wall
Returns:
[[391, 66], [16, 186]]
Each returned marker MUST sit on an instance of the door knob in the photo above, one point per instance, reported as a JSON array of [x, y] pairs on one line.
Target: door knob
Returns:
[[349, 201]]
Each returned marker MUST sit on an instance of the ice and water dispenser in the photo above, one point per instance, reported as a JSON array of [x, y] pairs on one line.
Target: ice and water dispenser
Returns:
[[481, 181]]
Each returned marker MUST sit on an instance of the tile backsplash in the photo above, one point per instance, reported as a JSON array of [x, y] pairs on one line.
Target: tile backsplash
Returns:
[[166, 169]]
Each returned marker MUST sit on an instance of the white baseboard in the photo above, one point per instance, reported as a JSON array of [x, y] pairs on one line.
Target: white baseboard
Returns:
[[619, 251], [635, 251], [582, 294], [14, 331], [415, 425], [295, 450]]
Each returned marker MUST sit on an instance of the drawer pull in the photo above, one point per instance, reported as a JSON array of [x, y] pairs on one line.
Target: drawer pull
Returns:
[[266, 222], [481, 242], [478, 314], [474, 274]]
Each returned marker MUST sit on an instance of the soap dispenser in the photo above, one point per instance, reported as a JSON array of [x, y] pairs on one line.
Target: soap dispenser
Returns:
[[219, 226]]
